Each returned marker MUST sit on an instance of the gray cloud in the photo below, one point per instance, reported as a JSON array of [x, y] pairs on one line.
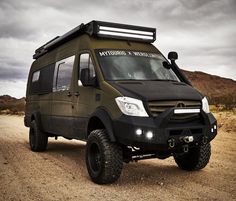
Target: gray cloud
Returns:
[[12, 70], [203, 32]]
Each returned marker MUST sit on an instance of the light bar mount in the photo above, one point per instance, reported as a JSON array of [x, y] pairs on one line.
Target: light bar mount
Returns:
[[101, 30]]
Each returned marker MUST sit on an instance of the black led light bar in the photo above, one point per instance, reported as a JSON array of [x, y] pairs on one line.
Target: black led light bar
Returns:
[[102, 30], [123, 31]]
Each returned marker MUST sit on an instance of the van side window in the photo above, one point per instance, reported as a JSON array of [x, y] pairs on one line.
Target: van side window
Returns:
[[86, 62], [63, 74], [42, 80], [35, 76]]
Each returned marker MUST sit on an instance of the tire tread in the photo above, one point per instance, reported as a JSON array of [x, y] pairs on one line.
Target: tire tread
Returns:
[[41, 139], [112, 155], [196, 159]]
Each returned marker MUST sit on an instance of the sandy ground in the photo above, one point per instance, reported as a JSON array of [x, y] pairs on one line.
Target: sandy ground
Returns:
[[60, 173]]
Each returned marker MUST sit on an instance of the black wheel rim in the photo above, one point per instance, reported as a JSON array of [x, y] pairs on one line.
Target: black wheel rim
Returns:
[[94, 157]]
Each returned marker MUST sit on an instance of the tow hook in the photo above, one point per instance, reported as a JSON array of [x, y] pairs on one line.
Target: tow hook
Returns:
[[185, 148], [171, 142], [204, 139], [187, 139]]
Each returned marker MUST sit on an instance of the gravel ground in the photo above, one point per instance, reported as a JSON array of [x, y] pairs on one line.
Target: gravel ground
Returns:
[[60, 172]]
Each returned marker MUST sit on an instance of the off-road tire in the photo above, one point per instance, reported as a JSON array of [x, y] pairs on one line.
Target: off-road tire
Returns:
[[38, 140], [196, 159], [103, 158]]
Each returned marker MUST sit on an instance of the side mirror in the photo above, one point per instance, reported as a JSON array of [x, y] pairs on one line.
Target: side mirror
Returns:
[[173, 56], [85, 78]]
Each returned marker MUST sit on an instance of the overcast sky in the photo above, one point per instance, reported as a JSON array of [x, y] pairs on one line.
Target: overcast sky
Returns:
[[203, 32]]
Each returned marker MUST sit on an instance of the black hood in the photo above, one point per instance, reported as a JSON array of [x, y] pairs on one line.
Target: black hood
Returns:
[[156, 90]]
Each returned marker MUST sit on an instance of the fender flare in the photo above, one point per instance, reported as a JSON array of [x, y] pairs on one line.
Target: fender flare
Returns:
[[104, 117], [37, 117]]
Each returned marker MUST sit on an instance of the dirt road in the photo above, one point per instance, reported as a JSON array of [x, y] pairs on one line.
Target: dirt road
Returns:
[[60, 173]]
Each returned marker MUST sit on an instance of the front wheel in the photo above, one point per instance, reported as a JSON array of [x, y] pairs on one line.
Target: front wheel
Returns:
[[103, 158], [197, 158], [37, 139]]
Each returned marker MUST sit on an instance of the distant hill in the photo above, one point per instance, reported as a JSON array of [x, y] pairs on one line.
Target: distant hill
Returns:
[[11, 105], [218, 90]]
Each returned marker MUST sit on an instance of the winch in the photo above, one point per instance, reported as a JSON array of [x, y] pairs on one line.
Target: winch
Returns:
[[186, 139]]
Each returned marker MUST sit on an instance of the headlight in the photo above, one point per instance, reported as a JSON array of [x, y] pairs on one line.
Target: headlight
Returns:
[[205, 105], [131, 106]]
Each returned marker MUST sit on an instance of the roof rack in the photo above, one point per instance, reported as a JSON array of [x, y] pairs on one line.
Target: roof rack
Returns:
[[102, 30]]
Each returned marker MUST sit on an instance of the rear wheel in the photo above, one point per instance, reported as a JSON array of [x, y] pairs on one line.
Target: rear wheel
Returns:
[[103, 158], [196, 159], [37, 139]]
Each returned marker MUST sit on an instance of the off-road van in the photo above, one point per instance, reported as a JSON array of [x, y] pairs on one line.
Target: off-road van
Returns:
[[105, 83]]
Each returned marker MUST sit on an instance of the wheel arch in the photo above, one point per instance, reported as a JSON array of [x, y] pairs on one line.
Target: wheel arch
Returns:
[[37, 117], [100, 119]]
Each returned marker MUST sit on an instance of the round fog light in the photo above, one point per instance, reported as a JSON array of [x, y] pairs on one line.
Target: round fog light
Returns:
[[138, 132], [149, 134]]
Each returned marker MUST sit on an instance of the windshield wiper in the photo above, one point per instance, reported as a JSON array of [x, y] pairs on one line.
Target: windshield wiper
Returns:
[[164, 80]]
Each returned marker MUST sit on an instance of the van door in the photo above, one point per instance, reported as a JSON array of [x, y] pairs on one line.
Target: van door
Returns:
[[62, 115], [84, 100]]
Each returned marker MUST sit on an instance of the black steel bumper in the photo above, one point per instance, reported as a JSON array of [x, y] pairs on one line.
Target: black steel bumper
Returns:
[[167, 134]]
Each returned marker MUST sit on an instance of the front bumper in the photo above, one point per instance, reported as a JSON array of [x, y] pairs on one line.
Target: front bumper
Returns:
[[167, 134]]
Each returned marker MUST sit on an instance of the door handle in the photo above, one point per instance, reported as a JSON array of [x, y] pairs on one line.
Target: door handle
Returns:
[[69, 94], [76, 93]]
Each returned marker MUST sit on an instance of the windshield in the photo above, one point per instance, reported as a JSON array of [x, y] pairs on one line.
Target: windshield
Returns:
[[132, 65]]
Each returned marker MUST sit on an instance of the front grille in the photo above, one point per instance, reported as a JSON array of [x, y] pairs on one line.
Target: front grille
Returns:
[[157, 107], [184, 117]]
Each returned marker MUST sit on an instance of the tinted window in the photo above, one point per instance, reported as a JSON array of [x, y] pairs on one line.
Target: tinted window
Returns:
[[42, 80], [63, 74], [35, 76], [46, 79], [86, 62]]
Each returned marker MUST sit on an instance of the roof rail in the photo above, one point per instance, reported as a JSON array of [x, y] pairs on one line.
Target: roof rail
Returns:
[[102, 30]]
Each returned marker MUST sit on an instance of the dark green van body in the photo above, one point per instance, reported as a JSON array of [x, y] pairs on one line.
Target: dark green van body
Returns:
[[68, 115], [69, 109]]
